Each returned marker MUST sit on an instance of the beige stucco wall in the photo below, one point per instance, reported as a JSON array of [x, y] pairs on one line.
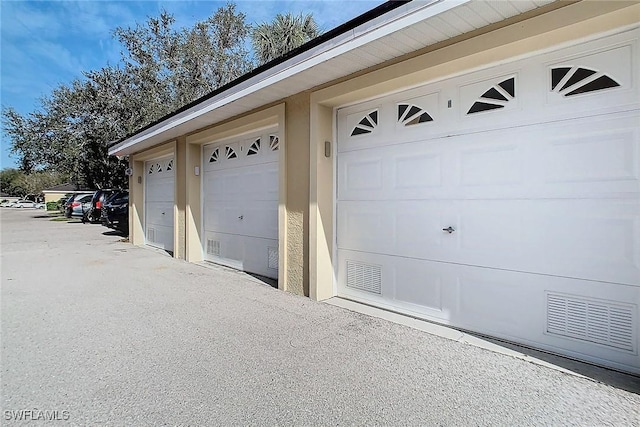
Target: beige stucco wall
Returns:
[[563, 25], [55, 196], [297, 192], [179, 246], [322, 153], [307, 120]]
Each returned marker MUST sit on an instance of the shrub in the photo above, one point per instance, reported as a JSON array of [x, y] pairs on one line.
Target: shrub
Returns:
[[52, 206]]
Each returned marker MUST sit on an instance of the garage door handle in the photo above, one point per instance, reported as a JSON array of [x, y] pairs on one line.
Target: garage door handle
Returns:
[[241, 217], [449, 229]]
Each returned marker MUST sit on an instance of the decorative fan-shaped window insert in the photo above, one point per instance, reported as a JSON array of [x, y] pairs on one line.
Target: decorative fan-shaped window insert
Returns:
[[214, 156], [230, 153], [409, 115], [274, 142], [158, 167], [170, 165], [496, 97], [367, 124], [151, 169], [254, 148], [569, 81]]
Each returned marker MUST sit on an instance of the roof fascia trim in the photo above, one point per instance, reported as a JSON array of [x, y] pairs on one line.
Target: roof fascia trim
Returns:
[[348, 41]]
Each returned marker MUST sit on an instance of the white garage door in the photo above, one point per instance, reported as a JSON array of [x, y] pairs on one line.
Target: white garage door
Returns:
[[159, 201], [505, 201], [240, 203]]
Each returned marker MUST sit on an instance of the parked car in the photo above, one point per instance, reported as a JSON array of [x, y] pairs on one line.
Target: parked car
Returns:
[[77, 205], [66, 202], [115, 212], [7, 203], [100, 197], [24, 204]]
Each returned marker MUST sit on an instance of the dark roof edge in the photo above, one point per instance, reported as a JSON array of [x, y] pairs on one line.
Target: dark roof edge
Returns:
[[337, 31]]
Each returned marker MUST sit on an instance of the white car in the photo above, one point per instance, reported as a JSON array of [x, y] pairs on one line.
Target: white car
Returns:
[[24, 204]]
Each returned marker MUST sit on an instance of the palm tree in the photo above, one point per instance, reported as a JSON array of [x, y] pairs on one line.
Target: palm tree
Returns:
[[284, 33]]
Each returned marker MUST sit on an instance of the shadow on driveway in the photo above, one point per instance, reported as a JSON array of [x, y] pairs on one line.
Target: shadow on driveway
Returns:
[[610, 377]]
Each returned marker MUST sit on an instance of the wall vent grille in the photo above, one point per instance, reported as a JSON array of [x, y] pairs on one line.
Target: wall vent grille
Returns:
[[598, 321], [273, 257], [151, 234], [365, 277], [213, 247]]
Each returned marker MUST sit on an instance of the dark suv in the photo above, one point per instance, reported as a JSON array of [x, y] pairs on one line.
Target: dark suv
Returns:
[[100, 197], [115, 212]]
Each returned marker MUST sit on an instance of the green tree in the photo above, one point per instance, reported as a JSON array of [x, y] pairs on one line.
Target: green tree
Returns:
[[9, 180], [161, 70], [18, 183], [170, 68], [283, 34]]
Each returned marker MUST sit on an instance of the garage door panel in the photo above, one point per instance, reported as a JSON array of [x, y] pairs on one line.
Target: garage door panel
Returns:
[[374, 278], [240, 203], [251, 254], [225, 249], [556, 237], [230, 221], [213, 189], [592, 158], [408, 228], [261, 256], [615, 63], [260, 182], [232, 182], [513, 210], [159, 203], [160, 236], [417, 171], [160, 213], [562, 237], [364, 174], [505, 304], [260, 219], [366, 226], [495, 165], [420, 284], [584, 324], [605, 156], [162, 191], [588, 239], [506, 295], [406, 171]]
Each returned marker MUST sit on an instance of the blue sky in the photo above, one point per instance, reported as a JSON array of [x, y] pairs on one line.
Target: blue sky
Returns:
[[46, 43]]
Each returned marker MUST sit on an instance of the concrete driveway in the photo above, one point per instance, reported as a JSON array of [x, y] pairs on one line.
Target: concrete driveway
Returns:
[[98, 332]]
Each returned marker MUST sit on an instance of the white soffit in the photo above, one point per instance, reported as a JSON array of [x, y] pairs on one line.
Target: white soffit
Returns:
[[413, 26]]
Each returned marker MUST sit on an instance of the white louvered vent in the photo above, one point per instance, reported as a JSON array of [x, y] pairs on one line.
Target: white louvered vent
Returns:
[[597, 321], [366, 277], [151, 235], [213, 247], [273, 258]]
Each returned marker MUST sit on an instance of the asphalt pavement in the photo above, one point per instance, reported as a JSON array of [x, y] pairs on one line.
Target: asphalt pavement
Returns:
[[95, 331]]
